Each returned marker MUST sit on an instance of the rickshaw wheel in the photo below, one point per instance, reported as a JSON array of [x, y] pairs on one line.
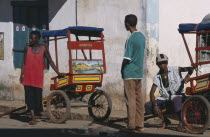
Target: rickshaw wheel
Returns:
[[58, 106], [196, 114], [100, 105]]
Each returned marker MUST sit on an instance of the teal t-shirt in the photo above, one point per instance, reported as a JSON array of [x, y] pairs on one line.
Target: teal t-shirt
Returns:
[[134, 51]]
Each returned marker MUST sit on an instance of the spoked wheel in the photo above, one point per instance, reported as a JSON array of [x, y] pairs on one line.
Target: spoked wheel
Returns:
[[100, 105], [58, 106], [196, 114]]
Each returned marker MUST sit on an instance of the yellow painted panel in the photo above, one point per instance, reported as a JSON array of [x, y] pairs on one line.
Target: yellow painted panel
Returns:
[[79, 88], [86, 78], [202, 84], [63, 81], [89, 87]]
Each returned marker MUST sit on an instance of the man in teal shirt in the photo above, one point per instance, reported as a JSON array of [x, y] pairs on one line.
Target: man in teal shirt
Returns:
[[132, 74]]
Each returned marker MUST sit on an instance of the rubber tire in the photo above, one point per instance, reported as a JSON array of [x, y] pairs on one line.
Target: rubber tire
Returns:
[[184, 121], [68, 106], [90, 110]]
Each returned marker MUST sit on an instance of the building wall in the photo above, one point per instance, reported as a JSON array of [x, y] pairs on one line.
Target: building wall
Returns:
[[157, 20], [172, 14], [61, 15], [110, 14], [89, 13], [152, 35], [9, 77], [61, 18]]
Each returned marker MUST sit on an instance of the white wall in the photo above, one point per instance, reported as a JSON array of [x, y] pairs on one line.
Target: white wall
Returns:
[[9, 77], [110, 14], [61, 15], [64, 17], [172, 13], [158, 20]]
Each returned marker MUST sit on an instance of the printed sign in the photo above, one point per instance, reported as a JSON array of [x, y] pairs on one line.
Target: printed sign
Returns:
[[33, 28], [17, 28], [23, 28]]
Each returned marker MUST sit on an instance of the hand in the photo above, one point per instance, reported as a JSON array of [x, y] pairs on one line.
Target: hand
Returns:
[[187, 79], [156, 110], [61, 75], [122, 74], [21, 79]]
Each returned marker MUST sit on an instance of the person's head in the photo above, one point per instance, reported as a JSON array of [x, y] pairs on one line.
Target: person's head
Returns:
[[130, 21], [162, 61], [34, 37]]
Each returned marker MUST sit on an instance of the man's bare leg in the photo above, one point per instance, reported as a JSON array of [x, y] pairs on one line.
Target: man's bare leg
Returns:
[[160, 115], [33, 118]]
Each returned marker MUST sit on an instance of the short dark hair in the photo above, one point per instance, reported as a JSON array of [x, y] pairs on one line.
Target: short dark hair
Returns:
[[37, 33], [131, 19]]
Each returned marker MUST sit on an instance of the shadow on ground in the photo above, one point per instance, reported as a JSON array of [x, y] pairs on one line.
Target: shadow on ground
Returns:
[[71, 132]]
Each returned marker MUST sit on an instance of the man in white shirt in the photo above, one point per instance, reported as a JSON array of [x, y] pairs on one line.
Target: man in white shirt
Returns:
[[170, 84]]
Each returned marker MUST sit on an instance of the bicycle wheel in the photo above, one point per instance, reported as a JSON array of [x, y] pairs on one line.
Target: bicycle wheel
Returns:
[[58, 106], [196, 114], [100, 105]]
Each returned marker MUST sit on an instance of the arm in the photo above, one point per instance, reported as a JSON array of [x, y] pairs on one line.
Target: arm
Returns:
[[152, 94], [152, 99], [23, 64], [124, 63], [52, 64], [186, 69], [127, 56]]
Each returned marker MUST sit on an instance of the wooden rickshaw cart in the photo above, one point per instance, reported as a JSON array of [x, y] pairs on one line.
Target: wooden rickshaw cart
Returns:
[[196, 107], [86, 61]]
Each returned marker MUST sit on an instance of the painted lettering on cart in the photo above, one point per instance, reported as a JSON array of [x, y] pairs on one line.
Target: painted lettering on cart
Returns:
[[85, 45]]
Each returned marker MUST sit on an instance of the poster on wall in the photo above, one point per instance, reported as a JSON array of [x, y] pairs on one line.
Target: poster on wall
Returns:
[[1, 46]]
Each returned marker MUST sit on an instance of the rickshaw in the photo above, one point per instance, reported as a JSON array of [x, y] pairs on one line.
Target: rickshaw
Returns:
[[87, 64], [196, 107]]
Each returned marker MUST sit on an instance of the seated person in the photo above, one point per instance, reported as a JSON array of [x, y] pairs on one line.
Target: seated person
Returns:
[[170, 84]]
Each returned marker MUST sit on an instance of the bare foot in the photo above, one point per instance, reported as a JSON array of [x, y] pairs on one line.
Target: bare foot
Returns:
[[139, 129], [163, 126], [180, 127]]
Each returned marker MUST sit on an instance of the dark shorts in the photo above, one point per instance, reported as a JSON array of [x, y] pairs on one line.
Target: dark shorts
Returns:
[[33, 98], [176, 104]]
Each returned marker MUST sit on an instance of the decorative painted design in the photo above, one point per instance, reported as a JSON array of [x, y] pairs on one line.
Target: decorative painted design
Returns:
[[85, 45], [89, 87], [86, 78], [87, 67], [202, 84], [79, 88], [63, 81]]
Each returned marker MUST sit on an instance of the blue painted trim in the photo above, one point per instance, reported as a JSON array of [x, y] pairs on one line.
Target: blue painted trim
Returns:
[[153, 18]]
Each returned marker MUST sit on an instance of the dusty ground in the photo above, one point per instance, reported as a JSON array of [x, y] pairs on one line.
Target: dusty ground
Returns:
[[82, 125]]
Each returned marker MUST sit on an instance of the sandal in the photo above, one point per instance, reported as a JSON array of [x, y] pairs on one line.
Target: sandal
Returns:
[[127, 130], [181, 129], [167, 121], [32, 122]]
